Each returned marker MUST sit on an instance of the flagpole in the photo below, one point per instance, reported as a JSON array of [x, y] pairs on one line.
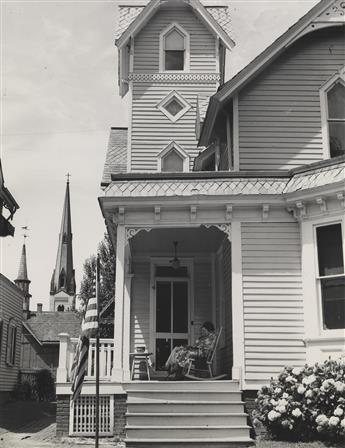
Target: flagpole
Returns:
[[97, 358]]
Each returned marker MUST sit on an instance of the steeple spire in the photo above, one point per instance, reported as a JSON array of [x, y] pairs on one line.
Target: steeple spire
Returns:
[[22, 281], [63, 279]]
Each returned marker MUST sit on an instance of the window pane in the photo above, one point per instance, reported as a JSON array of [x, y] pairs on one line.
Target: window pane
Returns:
[[163, 307], [174, 60], [180, 310], [173, 107], [172, 162], [330, 250], [174, 40], [333, 303], [336, 138], [336, 101]]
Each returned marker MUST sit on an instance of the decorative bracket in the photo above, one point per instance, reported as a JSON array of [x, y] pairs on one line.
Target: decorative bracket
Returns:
[[265, 211], [322, 204], [225, 228], [193, 210], [121, 215], [157, 214], [132, 231], [340, 197], [228, 212]]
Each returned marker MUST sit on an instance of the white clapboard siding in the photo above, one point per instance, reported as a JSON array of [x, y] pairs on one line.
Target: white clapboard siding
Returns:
[[202, 42], [140, 306], [272, 299], [279, 112], [11, 306], [152, 131]]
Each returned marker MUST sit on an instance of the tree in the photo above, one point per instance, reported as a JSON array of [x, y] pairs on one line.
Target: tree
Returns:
[[107, 282]]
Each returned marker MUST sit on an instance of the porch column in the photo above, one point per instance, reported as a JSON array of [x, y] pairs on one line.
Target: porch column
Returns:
[[117, 372], [127, 315], [237, 303]]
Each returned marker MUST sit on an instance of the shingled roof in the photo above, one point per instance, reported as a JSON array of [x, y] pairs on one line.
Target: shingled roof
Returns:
[[116, 158], [47, 326]]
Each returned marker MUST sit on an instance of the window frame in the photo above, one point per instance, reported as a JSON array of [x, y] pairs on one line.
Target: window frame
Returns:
[[186, 106], [326, 331], [11, 345], [173, 146], [162, 35], [327, 86]]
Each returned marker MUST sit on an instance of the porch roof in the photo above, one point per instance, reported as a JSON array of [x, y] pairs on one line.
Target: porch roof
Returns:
[[137, 185]]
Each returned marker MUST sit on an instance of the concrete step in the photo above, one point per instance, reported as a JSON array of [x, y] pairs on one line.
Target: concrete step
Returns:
[[219, 386], [225, 442], [186, 419], [187, 406], [181, 395], [186, 432]]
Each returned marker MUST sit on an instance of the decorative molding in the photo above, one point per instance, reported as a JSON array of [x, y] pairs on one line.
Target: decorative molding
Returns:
[[157, 211], [193, 211], [335, 13], [121, 215], [193, 78], [341, 198], [322, 204], [228, 212], [132, 231], [225, 228], [265, 211]]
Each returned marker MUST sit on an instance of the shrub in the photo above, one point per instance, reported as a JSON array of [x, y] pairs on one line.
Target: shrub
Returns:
[[45, 385], [305, 403]]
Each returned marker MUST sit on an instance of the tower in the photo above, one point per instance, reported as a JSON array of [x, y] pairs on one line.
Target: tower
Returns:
[[23, 282], [62, 286], [171, 61]]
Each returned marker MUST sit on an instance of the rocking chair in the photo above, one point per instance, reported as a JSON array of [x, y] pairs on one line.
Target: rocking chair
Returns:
[[200, 368]]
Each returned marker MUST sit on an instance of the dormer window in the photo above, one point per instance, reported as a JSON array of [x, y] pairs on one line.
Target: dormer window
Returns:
[[174, 48], [173, 159], [333, 115]]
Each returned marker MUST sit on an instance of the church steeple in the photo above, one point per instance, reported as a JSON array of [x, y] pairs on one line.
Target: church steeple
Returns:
[[22, 280], [62, 287]]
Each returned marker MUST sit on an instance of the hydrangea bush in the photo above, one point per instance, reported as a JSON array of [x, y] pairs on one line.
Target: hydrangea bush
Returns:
[[305, 403]]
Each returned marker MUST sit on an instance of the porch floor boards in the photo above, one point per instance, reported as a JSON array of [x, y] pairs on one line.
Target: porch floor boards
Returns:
[[208, 414]]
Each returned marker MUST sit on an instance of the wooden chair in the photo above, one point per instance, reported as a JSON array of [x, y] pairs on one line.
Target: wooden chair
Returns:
[[206, 373]]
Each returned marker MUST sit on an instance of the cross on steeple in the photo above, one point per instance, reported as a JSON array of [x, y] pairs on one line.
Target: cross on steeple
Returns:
[[68, 175]]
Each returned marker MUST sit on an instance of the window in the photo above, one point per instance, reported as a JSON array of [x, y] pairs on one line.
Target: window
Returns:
[[331, 276], [173, 159], [174, 48], [174, 106], [11, 343], [61, 308], [333, 115]]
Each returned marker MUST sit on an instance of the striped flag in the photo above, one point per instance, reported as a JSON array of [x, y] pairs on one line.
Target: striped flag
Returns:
[[89, 329]]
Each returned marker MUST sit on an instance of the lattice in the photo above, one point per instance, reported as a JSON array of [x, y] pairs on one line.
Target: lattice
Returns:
[[83, 411]]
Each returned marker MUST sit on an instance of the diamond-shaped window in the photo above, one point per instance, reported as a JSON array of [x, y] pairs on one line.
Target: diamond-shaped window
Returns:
[[174, 106]]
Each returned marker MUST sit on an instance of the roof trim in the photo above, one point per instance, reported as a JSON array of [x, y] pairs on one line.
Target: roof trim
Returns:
[[32, 332], [260, 62], [145, 15]]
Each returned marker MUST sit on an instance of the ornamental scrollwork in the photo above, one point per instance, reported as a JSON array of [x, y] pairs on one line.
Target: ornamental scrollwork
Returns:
[[225, 228], [132, 231], [175, 77]]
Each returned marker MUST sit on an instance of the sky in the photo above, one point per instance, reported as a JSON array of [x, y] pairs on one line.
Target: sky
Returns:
[[59, 98]]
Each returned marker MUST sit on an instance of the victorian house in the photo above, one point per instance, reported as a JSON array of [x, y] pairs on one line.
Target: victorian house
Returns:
[[225, 203]]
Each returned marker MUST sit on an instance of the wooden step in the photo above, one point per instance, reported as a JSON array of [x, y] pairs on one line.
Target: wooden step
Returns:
[[181, 395], [225, 442], [189, 406], [186, 432], [219, 386], [186, 419]]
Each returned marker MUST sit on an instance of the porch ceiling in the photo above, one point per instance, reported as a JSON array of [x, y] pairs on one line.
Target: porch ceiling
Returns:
[[190, 241]]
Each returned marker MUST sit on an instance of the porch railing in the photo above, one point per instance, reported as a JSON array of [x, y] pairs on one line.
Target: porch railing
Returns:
[[66, 354]]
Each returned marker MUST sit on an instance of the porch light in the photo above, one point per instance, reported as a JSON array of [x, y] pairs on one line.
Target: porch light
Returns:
[[175, 262]]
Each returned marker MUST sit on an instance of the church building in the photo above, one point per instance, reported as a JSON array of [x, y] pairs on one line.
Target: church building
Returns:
[[225, 203]]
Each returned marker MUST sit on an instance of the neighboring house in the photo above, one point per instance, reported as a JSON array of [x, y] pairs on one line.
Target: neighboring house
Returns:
[[11, 312], [256, 208], [7, 202], [40, 346]]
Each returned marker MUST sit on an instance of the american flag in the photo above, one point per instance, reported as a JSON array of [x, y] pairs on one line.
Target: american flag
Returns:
[[89, 328]]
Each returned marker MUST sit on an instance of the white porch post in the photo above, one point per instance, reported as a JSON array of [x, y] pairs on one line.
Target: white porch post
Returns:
[[127, 315], [117, 373], [62, 370], [237, 303]]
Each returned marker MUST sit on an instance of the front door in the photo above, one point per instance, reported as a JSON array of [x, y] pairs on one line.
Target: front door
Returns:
[[172, 317]]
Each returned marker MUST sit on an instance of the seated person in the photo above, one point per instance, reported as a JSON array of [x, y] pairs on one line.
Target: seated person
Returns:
[[180, 356]]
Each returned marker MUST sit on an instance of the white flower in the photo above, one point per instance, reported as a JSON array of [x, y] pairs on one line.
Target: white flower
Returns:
[[319, 428], [321, 420], [285, 395], [297, 371], [338, 412], [309, 393], [282, 402], [290, 379], [342, 423], [296, 412], [277, 390], [327, 384], [285, 423], [333, 421], [273, 402], [339, 386], [281, 409], [309, 379], [301, 389], [273, 415]]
